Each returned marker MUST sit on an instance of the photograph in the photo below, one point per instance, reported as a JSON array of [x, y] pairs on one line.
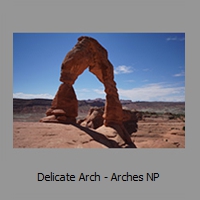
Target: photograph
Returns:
[[99, 90]]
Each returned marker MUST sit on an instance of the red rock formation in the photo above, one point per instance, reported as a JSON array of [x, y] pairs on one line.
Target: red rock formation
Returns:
[[94, 119], [86, 53]]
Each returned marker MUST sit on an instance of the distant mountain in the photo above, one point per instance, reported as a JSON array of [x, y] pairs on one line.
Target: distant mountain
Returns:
[[30, 105]]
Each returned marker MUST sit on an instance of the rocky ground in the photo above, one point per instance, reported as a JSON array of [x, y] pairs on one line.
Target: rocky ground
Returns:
[[160, 135], [49, 135], [155, 130], [154, 134]]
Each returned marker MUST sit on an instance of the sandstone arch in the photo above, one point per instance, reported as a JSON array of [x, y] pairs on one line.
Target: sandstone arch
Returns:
[[86, 53]]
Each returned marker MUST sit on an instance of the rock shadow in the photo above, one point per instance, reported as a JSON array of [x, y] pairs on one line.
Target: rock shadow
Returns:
[[98, 137], [121, 130]]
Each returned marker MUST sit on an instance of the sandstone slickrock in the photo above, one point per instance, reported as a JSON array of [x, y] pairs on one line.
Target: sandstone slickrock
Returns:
[[87, 53], [94, 119]]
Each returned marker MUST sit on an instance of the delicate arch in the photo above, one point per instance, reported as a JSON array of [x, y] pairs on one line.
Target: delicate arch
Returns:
[[86, 53]]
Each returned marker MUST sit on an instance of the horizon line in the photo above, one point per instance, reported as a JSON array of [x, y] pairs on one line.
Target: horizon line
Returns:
[[102, 99]]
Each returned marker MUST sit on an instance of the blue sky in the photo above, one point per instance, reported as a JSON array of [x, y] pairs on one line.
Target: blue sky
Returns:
[[147, 66]]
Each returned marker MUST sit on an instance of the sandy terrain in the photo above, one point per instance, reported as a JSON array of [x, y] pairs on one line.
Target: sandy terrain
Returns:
[[150, 134], [163, 134]]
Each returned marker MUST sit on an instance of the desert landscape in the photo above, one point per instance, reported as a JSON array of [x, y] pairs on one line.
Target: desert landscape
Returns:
[[65, 122], [154, 125]]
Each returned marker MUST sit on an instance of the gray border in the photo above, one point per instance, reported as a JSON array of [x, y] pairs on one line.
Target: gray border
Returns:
[[177, 168]]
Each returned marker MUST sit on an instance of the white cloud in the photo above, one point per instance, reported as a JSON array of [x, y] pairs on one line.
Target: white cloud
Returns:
[[154, 92], [175, 39], [171, 38], [123, 69], [82, 90], [180, 74], [99, 91], [151, 92], [21, 95], [90, 94]]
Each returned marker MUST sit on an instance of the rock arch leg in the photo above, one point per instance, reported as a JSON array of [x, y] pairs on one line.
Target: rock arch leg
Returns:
[[113, 110], [64, 106], [113, 113], [66, 100]]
